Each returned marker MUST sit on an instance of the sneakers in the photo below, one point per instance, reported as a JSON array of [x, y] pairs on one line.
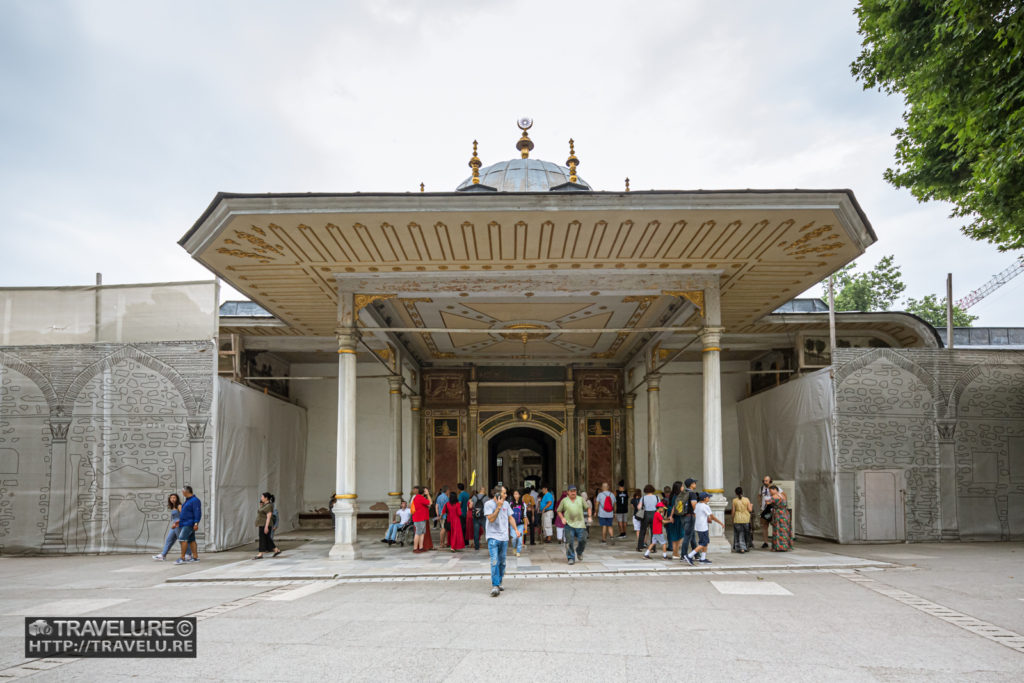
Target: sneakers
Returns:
[[704, 561], [764, 545], [622, 535], [647, 555], [664, 556], [572, 561], [495, 592], [501, 589], [517, 553], [181, 560], [158, 558], [579, 557], [688, 559]]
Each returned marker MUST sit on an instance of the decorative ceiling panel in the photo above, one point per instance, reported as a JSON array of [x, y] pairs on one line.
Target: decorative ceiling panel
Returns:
[[282, 251]]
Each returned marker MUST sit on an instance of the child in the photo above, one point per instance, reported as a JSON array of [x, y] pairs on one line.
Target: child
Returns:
[[402, 517], [658, 533], [702, 513]]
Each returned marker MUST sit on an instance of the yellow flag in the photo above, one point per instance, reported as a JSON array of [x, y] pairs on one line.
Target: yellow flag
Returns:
[[472, 478]]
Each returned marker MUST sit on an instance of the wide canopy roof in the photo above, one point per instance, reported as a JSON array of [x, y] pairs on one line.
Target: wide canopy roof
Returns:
[[288, 252]]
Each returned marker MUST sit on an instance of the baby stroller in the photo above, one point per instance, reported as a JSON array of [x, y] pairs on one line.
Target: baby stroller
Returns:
[[405, 533]]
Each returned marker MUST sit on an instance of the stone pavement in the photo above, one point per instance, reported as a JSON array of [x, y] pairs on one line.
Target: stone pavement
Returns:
[[922, 612], [305, 559]]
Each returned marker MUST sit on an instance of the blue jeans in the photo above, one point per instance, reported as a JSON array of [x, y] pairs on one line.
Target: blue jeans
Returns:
[[575, 541], [479, 529], [392, 531], [519, 539], [172, 538], [497, 550], [689, 538]]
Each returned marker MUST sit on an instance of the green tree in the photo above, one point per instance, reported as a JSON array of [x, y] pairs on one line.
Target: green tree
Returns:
[[875, 290], [959, 65], [933, 310]]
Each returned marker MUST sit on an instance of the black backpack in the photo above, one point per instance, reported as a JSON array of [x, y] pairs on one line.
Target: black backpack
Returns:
[[478, 507]]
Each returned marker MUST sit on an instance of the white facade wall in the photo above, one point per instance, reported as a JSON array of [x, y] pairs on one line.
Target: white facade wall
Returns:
[[373, 433], [682, 408]]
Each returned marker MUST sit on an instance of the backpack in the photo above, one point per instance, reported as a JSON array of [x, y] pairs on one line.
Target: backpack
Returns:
[[607, 504], [679, 505], [478, 507]]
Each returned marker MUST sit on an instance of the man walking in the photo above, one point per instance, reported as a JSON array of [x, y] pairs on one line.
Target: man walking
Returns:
[[476, 504], [689, 504], [547, 512], [420, 516], [570, 512], [622, 508], [605, 503], [498, 516], [188, 522]]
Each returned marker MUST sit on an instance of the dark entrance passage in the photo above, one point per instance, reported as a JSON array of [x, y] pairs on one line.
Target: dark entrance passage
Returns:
[[519, 456]]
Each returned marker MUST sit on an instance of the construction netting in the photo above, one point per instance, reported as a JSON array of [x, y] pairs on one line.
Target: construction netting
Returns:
[[787, 433], [115, 313]]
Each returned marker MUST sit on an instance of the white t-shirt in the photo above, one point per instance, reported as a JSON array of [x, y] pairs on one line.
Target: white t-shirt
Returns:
[[404, 515], [601, 512], [498, 529], [700, 521]]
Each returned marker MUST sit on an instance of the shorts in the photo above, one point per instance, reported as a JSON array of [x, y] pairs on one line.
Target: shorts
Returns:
[[604, 521], [186, 534], [636, 524], [658, 539], [703, 538], [421, 528], [621, 517]]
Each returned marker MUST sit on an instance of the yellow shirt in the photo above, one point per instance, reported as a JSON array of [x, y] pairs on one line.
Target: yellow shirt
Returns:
[[741, 510]]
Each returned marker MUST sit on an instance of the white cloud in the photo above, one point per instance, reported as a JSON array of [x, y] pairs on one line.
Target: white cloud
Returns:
[[121, 120]]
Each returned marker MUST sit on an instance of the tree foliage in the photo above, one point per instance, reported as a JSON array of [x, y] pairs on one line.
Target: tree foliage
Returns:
[[874, 290], [933, 310], [959, 64]]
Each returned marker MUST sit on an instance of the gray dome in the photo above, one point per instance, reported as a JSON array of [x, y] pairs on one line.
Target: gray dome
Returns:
[[523, 175]]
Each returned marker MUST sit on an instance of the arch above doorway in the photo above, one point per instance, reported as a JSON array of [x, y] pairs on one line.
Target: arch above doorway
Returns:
[[519, 451]]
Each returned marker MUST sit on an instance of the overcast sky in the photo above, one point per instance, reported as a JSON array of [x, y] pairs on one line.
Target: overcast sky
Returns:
[[119, 121]]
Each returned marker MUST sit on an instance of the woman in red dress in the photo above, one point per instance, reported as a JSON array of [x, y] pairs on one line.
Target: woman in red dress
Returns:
[[454, 512]]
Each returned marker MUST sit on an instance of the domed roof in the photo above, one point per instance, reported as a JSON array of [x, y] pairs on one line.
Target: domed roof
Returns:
[[523, 175]]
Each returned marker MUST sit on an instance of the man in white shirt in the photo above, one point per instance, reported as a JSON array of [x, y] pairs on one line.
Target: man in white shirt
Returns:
[[702, 514], [499, 518], [605, 504]]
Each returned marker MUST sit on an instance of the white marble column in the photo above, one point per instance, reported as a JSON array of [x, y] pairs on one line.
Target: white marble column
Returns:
[[59, 508], [344, 547], [395, 468], [713, 467], [419, 470], [653, 431]]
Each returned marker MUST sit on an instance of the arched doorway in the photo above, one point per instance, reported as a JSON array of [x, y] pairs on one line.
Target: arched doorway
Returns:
[[521, 455]]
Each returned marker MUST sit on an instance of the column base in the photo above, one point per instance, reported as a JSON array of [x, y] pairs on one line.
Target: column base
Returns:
[[718, 505], [344, 547]]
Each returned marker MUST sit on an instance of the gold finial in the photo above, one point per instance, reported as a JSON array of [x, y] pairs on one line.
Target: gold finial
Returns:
[[627, 184], [422, 188], [572, 162], [475, 164], [525, 144]]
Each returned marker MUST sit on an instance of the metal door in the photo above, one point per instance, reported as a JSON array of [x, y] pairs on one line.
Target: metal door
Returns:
[[883, 505]]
